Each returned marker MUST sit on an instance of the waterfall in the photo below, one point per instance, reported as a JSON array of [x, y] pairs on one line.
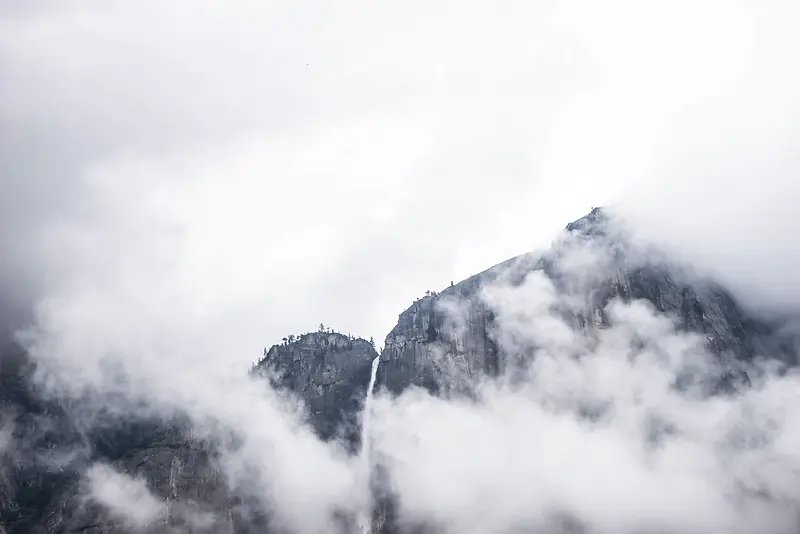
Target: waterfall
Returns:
[[365, 517]]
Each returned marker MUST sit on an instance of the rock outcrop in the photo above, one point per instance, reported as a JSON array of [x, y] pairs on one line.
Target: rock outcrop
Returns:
[[330, 371]]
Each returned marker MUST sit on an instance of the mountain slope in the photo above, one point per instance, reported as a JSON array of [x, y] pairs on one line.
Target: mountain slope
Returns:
[[453, 335]]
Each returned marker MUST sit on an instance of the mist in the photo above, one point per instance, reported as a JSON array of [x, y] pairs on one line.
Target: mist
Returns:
[[585, 430], [185, 184], [594, 436]]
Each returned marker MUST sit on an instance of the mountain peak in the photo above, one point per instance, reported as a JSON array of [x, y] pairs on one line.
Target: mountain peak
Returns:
[[594, 223]]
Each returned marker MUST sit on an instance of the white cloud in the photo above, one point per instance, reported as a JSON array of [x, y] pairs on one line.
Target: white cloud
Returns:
[[416, 144], [187, 182], [127, 498], [652, 458]]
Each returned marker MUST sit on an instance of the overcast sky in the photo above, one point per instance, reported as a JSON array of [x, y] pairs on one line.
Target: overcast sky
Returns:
[[261, 167], [186, 182]]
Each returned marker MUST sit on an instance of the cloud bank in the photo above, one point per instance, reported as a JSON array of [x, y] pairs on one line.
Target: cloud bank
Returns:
[[185, 183], [592, 429], [439, 138], [596, 436]]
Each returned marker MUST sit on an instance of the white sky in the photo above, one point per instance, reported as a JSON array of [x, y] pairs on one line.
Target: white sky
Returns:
[[185, 182], [251, 169]]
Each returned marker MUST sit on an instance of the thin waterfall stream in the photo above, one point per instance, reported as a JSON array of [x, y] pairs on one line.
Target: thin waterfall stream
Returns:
[[365, 516]]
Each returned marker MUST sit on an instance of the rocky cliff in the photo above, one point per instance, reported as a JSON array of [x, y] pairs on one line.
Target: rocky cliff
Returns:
[[447, 338], [330, 371], [47, 454]]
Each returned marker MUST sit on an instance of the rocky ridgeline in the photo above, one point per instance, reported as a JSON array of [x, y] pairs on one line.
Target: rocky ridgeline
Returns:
[[448, 339]]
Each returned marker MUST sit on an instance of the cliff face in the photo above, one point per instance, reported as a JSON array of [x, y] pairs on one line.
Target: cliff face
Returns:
[[35, 436], [439, 333], [46, 457], [449, 339], [180, 473], [330, 371]]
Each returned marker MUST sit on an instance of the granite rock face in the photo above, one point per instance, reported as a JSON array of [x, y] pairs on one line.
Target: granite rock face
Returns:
[[451, 336], [36, 439], [47, 454], [330, 371], [180, 473]]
